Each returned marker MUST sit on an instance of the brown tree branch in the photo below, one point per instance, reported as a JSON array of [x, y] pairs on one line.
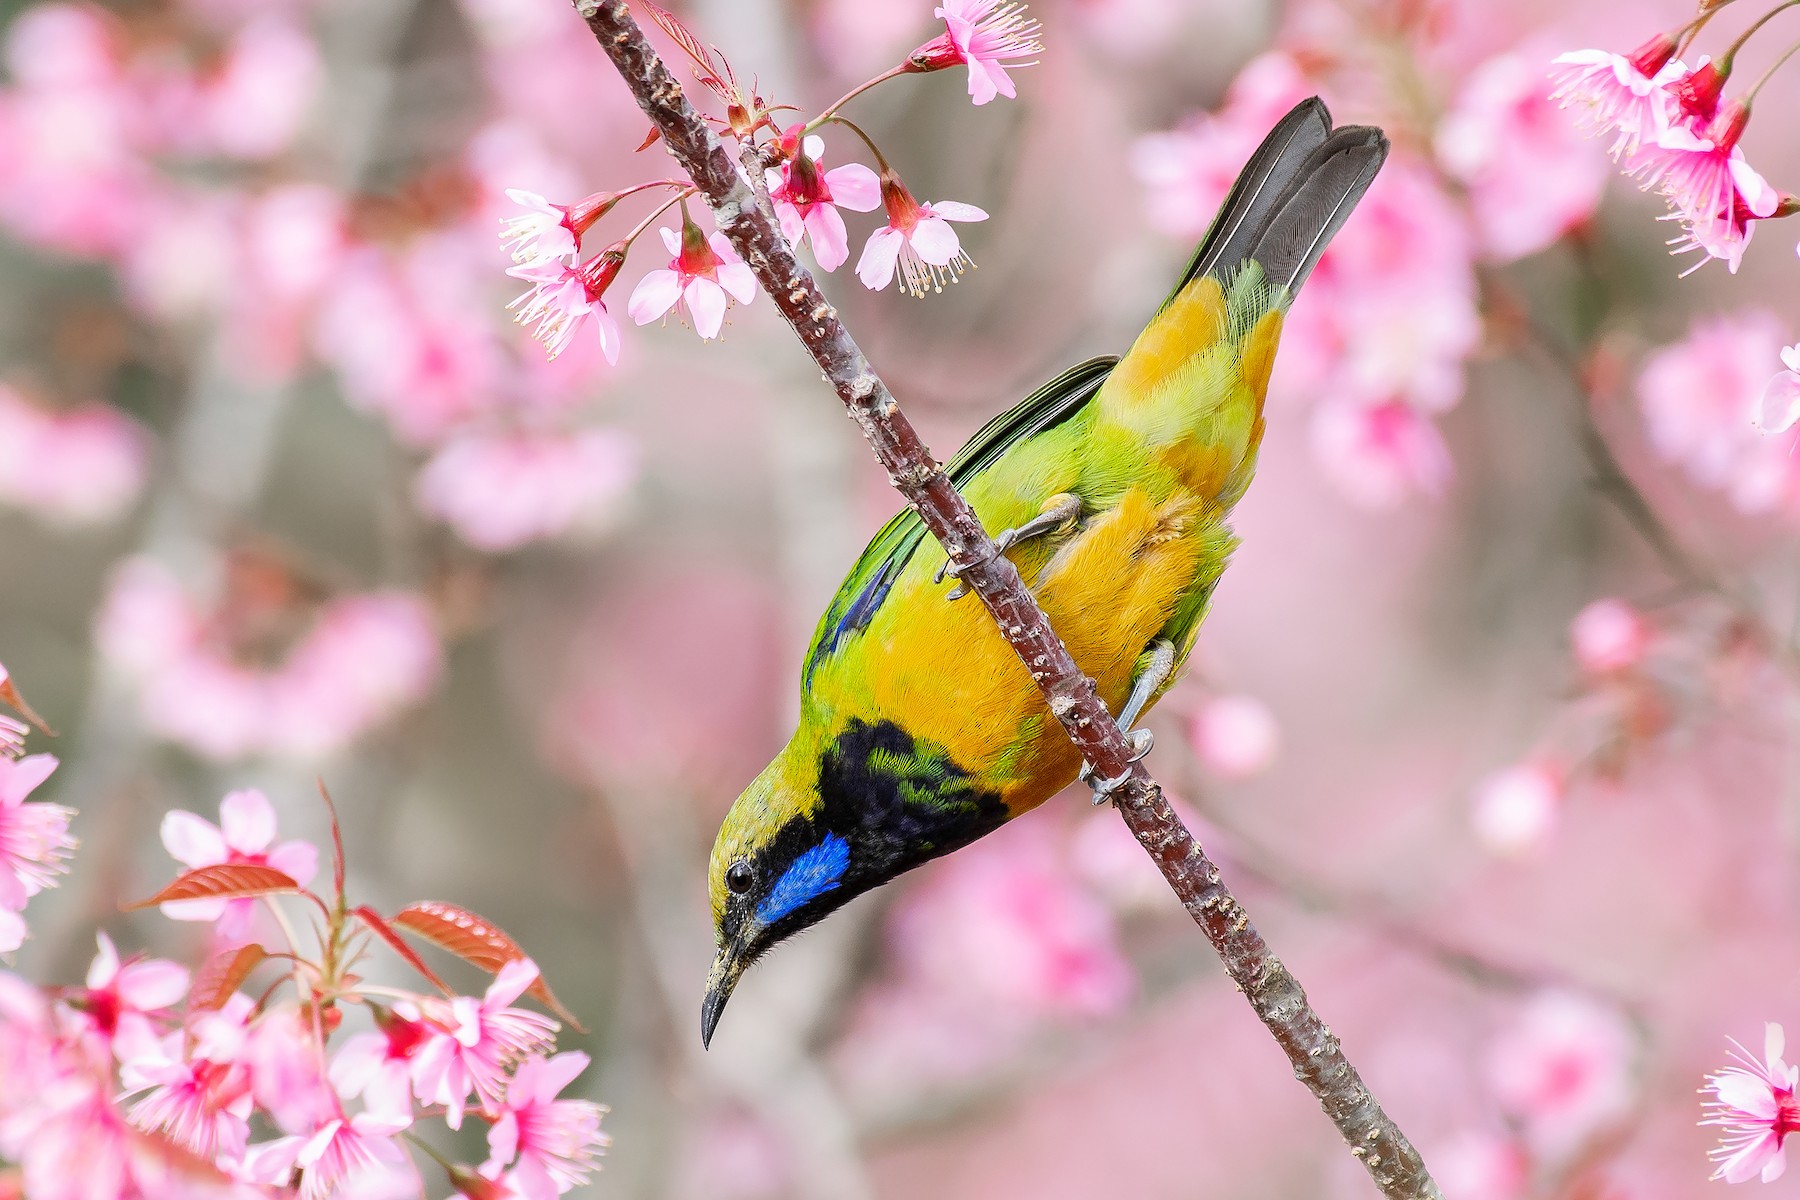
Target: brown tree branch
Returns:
[[1272, 990]]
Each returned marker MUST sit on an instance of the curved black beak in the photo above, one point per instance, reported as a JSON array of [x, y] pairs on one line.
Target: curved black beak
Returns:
[[719, 984]]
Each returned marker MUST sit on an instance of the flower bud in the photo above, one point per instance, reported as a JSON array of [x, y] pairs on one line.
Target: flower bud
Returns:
[[1653, 55], [935, 55], [1698, 93], [1728, 126]]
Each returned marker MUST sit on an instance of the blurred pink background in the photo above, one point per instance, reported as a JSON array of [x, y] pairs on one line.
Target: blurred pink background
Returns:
[[285, 495]]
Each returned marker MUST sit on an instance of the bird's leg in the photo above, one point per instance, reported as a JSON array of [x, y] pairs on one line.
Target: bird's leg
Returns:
[[1148, 682], [1058, 511]]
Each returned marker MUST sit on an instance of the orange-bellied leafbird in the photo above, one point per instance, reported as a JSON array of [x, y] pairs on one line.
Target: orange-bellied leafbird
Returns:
[[1110, 488]]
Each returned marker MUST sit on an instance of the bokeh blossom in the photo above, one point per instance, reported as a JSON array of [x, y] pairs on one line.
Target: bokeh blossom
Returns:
[[1563, 1070], [502, 490], [1701, 399], [80, 466]]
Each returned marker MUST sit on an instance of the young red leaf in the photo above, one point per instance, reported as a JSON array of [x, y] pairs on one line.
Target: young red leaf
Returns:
[[707, 72], [337, 843], [650, 139], [474, 939], [223, 974], [378, 925], [225, 881]]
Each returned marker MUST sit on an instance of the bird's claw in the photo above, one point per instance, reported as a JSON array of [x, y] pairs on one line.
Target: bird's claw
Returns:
[[1141, 740]]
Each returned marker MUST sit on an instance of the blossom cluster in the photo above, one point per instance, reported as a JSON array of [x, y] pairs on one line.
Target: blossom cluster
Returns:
[[1673, 129], [35, 843], [232, 682], [151, 1080], [704, 275], [175, 148]]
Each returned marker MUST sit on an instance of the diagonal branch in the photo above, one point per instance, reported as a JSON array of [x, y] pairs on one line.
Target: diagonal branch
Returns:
[[1272, 990]]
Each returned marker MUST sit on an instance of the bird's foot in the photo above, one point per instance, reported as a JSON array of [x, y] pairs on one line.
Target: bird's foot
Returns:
[[1060, 510], [1141, 740]]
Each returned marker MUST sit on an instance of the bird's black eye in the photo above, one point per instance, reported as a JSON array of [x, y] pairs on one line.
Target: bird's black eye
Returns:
[[739, 877]]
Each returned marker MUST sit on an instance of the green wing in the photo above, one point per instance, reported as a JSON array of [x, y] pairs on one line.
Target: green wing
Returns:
[[867, 585]]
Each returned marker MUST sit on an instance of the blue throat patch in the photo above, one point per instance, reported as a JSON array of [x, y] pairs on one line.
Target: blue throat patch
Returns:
[[813, 874]]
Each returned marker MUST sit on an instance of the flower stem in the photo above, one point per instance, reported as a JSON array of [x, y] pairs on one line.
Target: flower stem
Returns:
[[686, 191], [880, 159], [1725, 59], [1750, 96], [1696, 25], [853, 93]]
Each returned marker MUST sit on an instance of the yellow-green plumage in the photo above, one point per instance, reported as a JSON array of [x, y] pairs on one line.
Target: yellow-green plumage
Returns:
[[920, 729]]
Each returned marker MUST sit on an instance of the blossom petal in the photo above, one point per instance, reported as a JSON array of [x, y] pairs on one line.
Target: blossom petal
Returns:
[[876, 266], [793, 225], [247, 820], [855, 187], [297, 860], [153, 985], [671, 239], [706, 304], [511, 980], [655, 294], [192, 840], [830, 240], [736, 278], [956, 210], [935, 242]]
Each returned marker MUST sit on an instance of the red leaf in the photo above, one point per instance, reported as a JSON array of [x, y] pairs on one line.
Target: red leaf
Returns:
[[226, 881], [337, 843], [222, 975], [476, 940], [379, 926], [708, 73], [649, 140]]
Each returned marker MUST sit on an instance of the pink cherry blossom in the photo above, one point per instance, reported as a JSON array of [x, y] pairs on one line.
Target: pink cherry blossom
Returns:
[[340, 1151], [540, 234], [286, 1081], [1700, 399], [1379, 455], [245, 834], [379, 1062], [475, 1042], [501, 490], [917, 241], [550, 1145], [79, 466], [1003, 923], [1235, 735], [190, 1085], [702, 278], [1563, 1069], [412, 336], [1754, 1102], [1780, 406], [34, 842], [1616, 94], [986, 36], [122, 997], [255, 106], [1609, 636], [564, 296], [1515, 809], [1714, 191], [1530, 176], [1481, 1166], [807, 199]]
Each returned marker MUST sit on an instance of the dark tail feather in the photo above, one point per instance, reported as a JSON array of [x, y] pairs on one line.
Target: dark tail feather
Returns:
[[1259, 186], [1315, 204], [1293, 195]]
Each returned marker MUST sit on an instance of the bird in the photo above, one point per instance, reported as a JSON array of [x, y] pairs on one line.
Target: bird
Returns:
[[1110, 489]]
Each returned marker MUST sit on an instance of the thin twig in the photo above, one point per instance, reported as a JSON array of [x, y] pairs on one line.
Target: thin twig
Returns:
[[1272, 990]]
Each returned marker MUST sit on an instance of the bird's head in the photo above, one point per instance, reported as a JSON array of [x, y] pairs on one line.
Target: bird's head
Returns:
[[779, 865], [829, 819]]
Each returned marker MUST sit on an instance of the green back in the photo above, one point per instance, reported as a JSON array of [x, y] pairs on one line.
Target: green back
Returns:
[[863, 590]]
